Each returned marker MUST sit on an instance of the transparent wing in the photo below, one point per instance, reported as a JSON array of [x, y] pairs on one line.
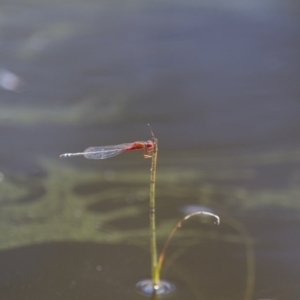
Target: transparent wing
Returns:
[[103, 152]]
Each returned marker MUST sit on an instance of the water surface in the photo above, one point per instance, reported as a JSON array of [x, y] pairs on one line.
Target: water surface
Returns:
[[219, 85]]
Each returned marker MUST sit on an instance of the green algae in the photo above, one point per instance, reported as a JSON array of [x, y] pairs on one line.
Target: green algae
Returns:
[[75, 204]]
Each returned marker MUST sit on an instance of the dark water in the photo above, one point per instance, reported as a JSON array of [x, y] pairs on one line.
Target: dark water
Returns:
[[219, 84]]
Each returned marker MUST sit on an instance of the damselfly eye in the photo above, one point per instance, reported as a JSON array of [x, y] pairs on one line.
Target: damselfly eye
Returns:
[[149, 144]]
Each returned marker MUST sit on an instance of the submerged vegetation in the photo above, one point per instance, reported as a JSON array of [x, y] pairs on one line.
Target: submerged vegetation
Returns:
[[102, 205], [70, 203]]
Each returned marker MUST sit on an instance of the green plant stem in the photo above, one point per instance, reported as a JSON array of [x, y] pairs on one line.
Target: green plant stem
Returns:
[[250, 256], [178, 226], [153, 248]]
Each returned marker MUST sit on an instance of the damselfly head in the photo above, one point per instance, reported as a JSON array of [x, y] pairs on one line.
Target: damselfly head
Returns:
[[149, 144]]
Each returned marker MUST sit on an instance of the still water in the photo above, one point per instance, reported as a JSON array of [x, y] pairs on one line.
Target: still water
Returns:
[[219, 84]]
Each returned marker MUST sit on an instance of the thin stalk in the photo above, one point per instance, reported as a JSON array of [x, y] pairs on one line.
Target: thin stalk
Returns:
[[153, 248], [250, 256], [178, 226]]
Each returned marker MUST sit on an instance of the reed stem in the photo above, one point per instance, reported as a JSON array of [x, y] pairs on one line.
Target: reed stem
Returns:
[[178, 226], [153, 248]]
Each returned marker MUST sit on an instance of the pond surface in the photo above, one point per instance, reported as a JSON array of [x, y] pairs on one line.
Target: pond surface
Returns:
[[218, 83]]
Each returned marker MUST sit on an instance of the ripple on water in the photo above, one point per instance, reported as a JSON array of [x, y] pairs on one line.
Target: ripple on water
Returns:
[[145, 287]]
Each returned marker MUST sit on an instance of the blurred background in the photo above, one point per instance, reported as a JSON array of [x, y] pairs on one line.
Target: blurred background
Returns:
[[219, 83]]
